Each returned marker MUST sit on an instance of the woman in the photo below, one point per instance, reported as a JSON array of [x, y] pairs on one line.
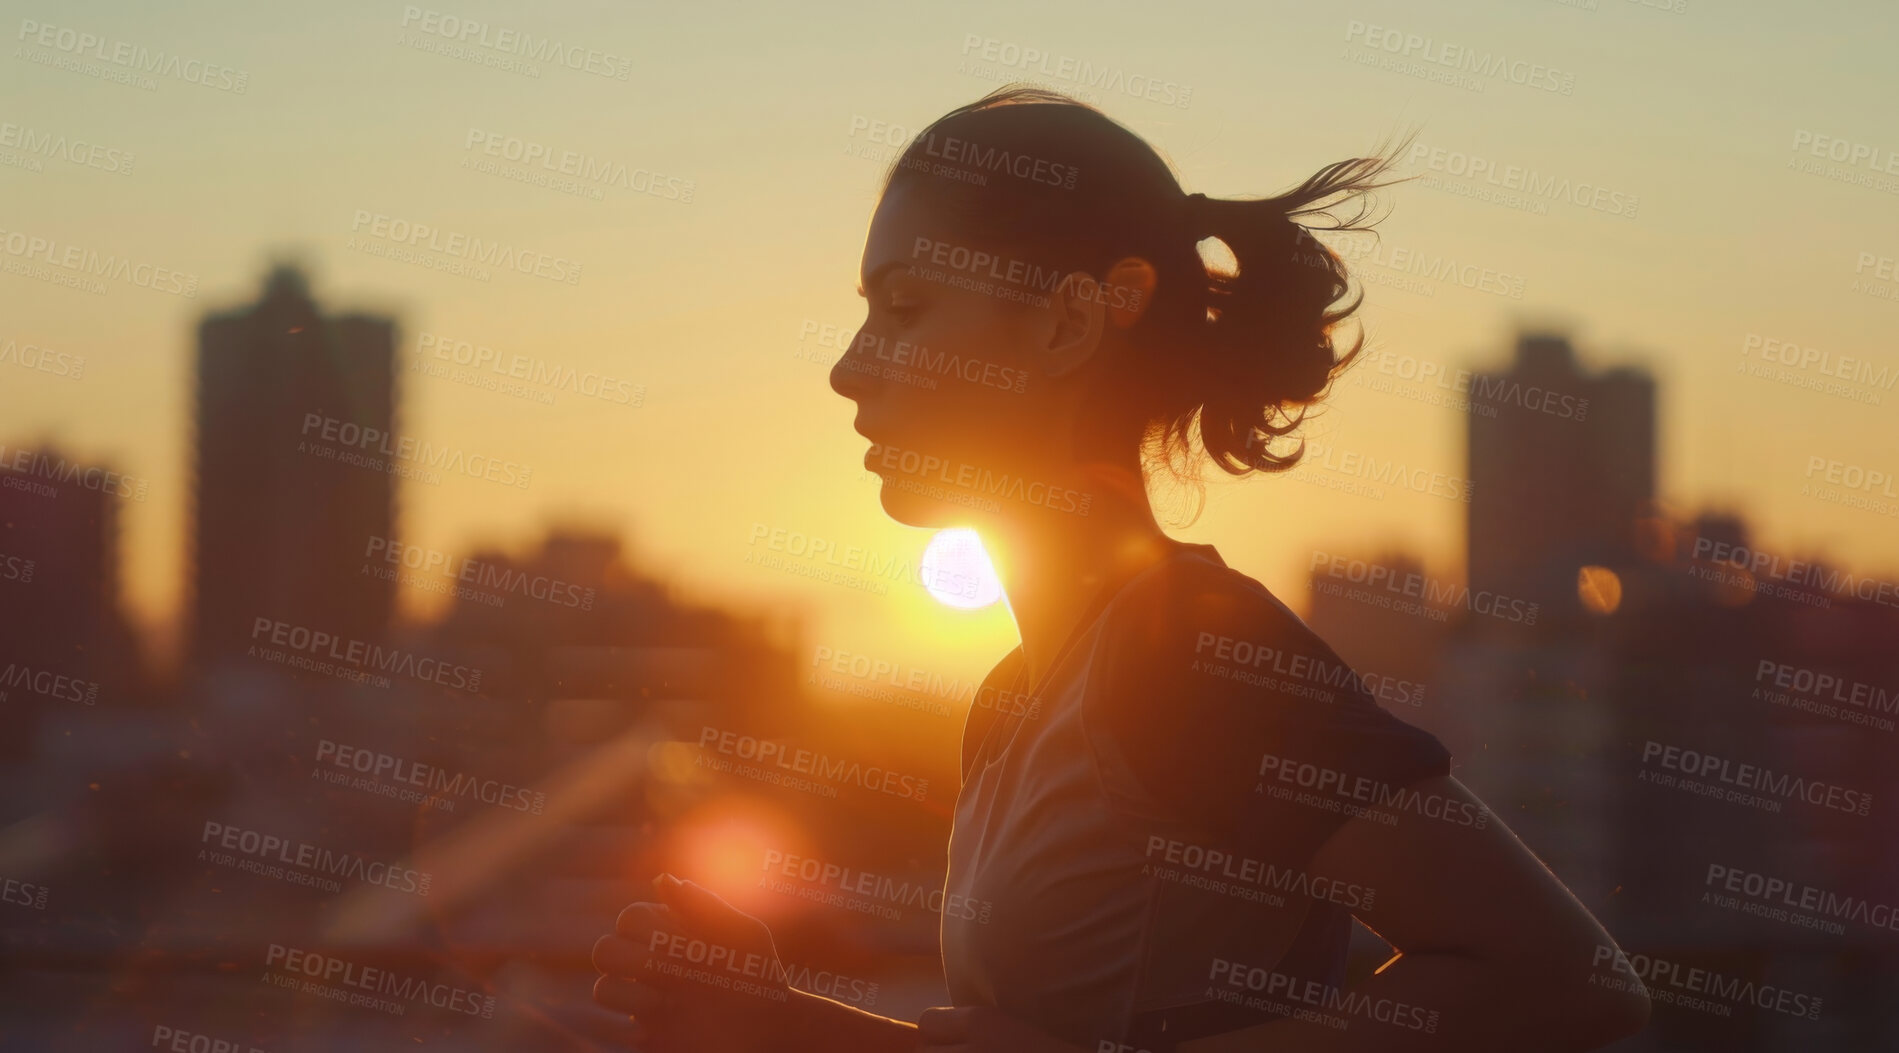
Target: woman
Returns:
[[1171, 848]]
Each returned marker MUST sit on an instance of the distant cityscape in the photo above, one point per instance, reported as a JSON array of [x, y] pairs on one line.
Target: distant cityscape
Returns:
[[541, 716]]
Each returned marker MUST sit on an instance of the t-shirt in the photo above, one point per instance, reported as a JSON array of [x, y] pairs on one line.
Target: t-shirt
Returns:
[[1154, 811]]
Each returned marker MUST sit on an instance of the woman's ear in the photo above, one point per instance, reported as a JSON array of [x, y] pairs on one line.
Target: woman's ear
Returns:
[[1079, 311], [1082, 304], [1130, 288]]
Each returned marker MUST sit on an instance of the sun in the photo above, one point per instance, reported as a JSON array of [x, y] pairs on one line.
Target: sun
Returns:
[[956, 570]]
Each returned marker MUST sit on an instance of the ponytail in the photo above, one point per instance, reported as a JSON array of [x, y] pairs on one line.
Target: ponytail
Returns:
[[1265, 351]]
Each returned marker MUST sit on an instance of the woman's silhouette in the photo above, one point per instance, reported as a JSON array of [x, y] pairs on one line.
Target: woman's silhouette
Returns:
[[1171, 844]]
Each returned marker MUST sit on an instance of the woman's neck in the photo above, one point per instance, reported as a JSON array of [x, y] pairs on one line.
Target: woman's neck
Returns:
[[1054, 567]]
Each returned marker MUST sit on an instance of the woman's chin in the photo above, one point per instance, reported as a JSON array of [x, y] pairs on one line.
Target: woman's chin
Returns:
[[918, 511]]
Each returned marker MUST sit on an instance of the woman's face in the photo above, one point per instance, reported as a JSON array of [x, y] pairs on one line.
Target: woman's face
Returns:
[[950, 371]]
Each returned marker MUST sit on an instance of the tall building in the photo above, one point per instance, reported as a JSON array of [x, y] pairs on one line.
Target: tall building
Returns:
[[64, 640], [1562, 476], [1562, 466], [294, 414]]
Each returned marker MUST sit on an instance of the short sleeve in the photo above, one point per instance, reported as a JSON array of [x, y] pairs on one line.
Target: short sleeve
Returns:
[[1212, 705]]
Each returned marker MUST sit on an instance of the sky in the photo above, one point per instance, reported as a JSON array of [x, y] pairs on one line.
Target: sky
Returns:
[[753, 138]]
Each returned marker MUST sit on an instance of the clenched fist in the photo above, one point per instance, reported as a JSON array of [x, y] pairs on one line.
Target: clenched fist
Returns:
[[694, 972]]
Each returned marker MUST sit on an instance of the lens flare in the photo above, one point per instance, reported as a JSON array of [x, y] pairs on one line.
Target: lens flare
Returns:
[[957, 571], [1599, 589]]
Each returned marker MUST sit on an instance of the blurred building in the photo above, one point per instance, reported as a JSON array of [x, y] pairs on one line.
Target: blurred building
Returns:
[[1642, 642], [1562, 463], [64, 640], [295, 413]]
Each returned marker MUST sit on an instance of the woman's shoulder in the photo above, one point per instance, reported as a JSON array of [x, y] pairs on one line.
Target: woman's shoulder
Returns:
[[1192, 618], [1202, 673]]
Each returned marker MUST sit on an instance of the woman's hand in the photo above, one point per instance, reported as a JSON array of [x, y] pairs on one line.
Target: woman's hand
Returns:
[[983, 1029], [694, 972]]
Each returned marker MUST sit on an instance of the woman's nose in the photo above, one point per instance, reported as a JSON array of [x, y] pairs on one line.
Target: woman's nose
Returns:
[[849, 376]]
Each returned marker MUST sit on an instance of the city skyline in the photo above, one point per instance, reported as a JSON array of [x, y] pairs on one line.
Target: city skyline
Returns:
[[282, 356], [736, 280]]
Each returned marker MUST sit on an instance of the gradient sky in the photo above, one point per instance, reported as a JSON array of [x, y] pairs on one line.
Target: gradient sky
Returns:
[[1695, 112]]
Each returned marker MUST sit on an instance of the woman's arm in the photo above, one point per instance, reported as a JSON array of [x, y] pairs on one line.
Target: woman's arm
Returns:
[[816, 1024], [1494, 952]]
